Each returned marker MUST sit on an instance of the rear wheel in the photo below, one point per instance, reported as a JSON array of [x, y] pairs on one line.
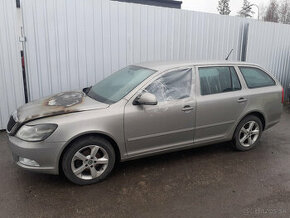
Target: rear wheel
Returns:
[[88, 160], [248, 133]]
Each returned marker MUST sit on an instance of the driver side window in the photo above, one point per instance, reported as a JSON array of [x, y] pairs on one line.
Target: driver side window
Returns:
[[172, 86]]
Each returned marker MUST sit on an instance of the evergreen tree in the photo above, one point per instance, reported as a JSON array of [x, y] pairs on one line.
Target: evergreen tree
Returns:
[[223, 7], [246, 10]]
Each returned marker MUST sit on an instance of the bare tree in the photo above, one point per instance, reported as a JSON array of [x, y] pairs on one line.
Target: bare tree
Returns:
[[284, 12], [246, 10], [272, 13], [224, 7], [262, 9]]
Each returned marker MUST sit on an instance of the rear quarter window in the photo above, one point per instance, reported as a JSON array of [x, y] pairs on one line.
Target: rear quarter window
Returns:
[[256, 78]]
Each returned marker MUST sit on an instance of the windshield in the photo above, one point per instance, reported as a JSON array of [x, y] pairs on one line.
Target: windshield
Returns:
[[119, 84]]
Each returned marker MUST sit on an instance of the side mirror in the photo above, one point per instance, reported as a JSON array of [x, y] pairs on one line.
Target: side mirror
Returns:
[[145, 98]]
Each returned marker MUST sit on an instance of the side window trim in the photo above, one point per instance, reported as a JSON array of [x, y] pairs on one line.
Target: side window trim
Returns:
[[237, 76]]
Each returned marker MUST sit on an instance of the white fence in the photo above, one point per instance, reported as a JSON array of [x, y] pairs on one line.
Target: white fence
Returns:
[[269, 46], [74, 43], [11, 83]]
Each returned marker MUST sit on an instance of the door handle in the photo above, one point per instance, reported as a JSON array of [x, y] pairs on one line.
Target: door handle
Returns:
[[240, 100], [187, 108]]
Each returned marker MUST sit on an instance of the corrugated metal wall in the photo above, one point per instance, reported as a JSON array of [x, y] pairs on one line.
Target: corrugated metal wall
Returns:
[[75, 43], [269, 46], [11, 84]]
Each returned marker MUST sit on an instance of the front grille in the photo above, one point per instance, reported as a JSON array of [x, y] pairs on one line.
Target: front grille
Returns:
[[11, 124]]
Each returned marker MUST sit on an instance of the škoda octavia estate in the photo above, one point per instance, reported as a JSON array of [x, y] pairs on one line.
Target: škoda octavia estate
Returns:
[[143, 110]]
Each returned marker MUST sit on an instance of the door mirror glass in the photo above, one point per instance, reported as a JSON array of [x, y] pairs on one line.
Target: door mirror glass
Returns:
[[145, 98]]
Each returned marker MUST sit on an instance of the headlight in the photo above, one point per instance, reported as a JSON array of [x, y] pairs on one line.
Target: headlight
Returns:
[[35, 133], [14, 115]]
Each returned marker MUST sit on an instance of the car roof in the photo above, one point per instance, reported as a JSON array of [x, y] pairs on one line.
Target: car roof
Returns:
[[167, 65]]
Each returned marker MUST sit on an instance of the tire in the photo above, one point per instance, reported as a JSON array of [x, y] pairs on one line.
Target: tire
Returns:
[[246, 138], [88, 160]]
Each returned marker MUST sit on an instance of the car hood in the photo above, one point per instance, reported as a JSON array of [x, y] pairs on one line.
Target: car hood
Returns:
[[62, 103]]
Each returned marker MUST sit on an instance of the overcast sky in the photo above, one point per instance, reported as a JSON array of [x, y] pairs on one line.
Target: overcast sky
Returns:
[[211, 5]]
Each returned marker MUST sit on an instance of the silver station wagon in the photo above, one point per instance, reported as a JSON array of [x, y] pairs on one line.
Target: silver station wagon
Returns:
[[142, 110]]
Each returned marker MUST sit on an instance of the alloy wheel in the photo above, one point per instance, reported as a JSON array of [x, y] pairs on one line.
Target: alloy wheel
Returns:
[[89, 162], [249, 133]]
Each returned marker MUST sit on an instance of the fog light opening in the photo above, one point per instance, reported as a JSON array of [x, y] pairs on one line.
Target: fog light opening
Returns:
[[28, 162]]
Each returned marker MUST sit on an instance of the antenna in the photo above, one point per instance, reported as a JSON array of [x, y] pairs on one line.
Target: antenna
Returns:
[[229, 54]]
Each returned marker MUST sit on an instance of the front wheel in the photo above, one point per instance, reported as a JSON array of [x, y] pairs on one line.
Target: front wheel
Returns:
[[88, 160], [248, 133]]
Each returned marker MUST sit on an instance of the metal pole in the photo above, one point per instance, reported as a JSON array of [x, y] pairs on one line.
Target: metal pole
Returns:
[[258, 10], [23, 40]]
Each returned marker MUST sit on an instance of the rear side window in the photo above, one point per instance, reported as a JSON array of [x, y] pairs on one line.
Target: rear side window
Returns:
[[256, 78], [215, 80]]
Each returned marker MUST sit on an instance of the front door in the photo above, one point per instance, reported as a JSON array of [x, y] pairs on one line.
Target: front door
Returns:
[[168, 124]]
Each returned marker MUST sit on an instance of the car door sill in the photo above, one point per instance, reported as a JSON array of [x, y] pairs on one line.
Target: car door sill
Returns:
[[179, 147], [163, 149]]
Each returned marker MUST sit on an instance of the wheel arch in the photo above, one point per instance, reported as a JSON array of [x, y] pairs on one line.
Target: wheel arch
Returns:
[[256, 113], [87, 134]]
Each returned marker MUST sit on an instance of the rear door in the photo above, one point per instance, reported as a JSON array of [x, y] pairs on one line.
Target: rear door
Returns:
[[220, 102]]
